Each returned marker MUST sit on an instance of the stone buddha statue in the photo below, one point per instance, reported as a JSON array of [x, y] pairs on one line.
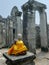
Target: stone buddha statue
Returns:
[[18, 48]]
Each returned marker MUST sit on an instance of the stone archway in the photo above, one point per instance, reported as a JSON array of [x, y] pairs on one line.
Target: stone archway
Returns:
[[29, 32]]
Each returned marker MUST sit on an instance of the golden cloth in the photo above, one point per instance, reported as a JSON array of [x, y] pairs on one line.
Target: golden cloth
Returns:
[[18, 48]]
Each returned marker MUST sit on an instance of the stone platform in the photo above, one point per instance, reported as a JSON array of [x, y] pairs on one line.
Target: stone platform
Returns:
[[42, 58], [26, 59]]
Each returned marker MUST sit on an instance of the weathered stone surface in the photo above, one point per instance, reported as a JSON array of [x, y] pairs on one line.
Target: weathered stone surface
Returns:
[[33, 5], [29, 27], [13, 25], [42, 58], [43, 29], [28, 58], [31, 31], [2, 32]]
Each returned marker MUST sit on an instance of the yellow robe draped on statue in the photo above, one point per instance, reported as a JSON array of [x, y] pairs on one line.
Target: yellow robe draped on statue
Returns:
[[17, 48]]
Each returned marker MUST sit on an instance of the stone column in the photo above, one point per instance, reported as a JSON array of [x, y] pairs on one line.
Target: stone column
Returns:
[[15, 26], [10, 32], [31, 31], [18, 24], [2, 35], [43, 31], [7, 32], [25, 16]]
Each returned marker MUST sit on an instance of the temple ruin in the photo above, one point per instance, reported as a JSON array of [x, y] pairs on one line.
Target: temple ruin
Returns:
[[12, 25]]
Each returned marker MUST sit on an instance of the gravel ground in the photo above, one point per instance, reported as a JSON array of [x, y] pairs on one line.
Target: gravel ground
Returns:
[[41, 57], [2, 59]]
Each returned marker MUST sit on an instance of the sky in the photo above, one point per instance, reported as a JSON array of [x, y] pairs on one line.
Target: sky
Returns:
[[7, 5]]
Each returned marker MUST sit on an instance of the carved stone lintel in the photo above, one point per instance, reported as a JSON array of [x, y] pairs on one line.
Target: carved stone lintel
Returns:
[[41, 10]]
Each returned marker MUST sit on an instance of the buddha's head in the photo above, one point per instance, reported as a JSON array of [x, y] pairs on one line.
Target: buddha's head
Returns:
[[19, 36]]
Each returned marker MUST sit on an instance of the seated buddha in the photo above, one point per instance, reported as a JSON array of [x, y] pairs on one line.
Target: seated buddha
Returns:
[[18, 48]]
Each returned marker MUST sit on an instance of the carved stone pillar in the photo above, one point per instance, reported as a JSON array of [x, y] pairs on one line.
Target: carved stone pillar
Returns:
[[19, 23], [16, 18], [43, 31], [25, 16], [2, 34], [7, 32], [10, 31], [31, 31]]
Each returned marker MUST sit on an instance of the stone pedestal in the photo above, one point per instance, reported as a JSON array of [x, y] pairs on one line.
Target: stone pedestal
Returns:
[[20, 60], [43, 31]]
